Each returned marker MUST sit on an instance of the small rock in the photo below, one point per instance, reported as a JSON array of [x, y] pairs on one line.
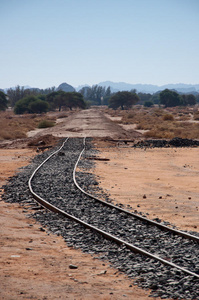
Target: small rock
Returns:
[[102, 273], [73, 266], [41, 228], [61, 153]]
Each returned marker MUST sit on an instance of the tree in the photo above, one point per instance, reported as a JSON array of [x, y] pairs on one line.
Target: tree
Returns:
[[38, 106], [189, 99], [170, 98], [51, 99], [97, 95], [61, 99], [107, 95], [65, 99], [3, 101], [30, 104], [155, 98], [144, 97], [148, 103], [123, 99], [18, 93], [76, 100]]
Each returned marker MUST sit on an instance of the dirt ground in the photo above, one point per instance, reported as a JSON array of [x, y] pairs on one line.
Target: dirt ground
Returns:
[[161, 182], [36, 264]]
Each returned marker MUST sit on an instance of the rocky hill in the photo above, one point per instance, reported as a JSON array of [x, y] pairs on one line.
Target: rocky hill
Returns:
[[65, 87], [150, 88]]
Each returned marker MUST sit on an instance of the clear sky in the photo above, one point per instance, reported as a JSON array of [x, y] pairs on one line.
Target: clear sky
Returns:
[[47, 42]]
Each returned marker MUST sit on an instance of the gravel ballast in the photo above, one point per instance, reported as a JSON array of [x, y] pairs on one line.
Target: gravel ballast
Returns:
[[54, 183]]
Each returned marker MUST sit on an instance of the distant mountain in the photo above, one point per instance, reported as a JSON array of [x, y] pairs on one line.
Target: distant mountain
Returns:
[[149, 88], [65, 87], [123, 86], [81, 86]]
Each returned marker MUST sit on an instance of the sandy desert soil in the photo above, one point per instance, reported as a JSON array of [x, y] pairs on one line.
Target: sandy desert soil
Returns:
[[35, 264], [162, 182]]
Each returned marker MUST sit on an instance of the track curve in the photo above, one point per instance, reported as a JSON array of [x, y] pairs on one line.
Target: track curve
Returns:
[[108, 235], [162, 226]]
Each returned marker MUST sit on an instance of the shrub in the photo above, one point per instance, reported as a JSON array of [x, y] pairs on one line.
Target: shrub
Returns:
[[30, 104], [168, 117], [45, 124], [130, 115], [196, 116], [148, 103], [38, 106]]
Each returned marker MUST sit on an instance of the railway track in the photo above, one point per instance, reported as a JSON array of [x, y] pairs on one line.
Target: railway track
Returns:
[[56, 186], [120, 237]]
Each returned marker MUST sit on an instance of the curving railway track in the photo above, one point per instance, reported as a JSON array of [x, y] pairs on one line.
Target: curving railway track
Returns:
[[108, 234], [57, 186]]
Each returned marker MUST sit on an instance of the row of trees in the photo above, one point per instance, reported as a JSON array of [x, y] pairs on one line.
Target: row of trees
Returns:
[[96, 95], [171, 98], [123, 99], [62, 99], [17, 93], [3, 101], [37, 101], [54, 100], [167, 97]]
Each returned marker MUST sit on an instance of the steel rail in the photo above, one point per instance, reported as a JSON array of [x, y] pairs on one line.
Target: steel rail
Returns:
[[164, 227], [107, 235], [35, 171]]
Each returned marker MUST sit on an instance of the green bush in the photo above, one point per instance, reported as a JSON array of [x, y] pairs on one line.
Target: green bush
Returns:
[[148, 103], [31, 104], [38, 106], [46, 124]]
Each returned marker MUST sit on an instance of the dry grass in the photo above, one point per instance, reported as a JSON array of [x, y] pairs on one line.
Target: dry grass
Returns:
[[162, 123], [168, 117], [16, 126], [196, 116]]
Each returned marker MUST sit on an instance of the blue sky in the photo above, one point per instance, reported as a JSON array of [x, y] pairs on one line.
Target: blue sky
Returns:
[[47, 42]]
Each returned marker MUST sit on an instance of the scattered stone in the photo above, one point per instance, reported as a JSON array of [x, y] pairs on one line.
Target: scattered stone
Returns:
[[102, 273], [72, 266], [175, 142], [41, 229], [49, 183], [61, 153]]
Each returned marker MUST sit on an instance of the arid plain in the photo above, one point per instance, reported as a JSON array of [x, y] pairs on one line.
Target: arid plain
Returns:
[[160, 182]]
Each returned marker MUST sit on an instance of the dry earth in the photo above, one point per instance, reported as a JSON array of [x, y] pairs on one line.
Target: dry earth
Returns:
[[160, 182], [36, 264]]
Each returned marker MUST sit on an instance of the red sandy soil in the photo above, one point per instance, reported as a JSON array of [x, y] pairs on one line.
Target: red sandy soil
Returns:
[[36, 264]]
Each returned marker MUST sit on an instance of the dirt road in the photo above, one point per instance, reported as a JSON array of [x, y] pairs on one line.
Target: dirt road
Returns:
[[86, 123]]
